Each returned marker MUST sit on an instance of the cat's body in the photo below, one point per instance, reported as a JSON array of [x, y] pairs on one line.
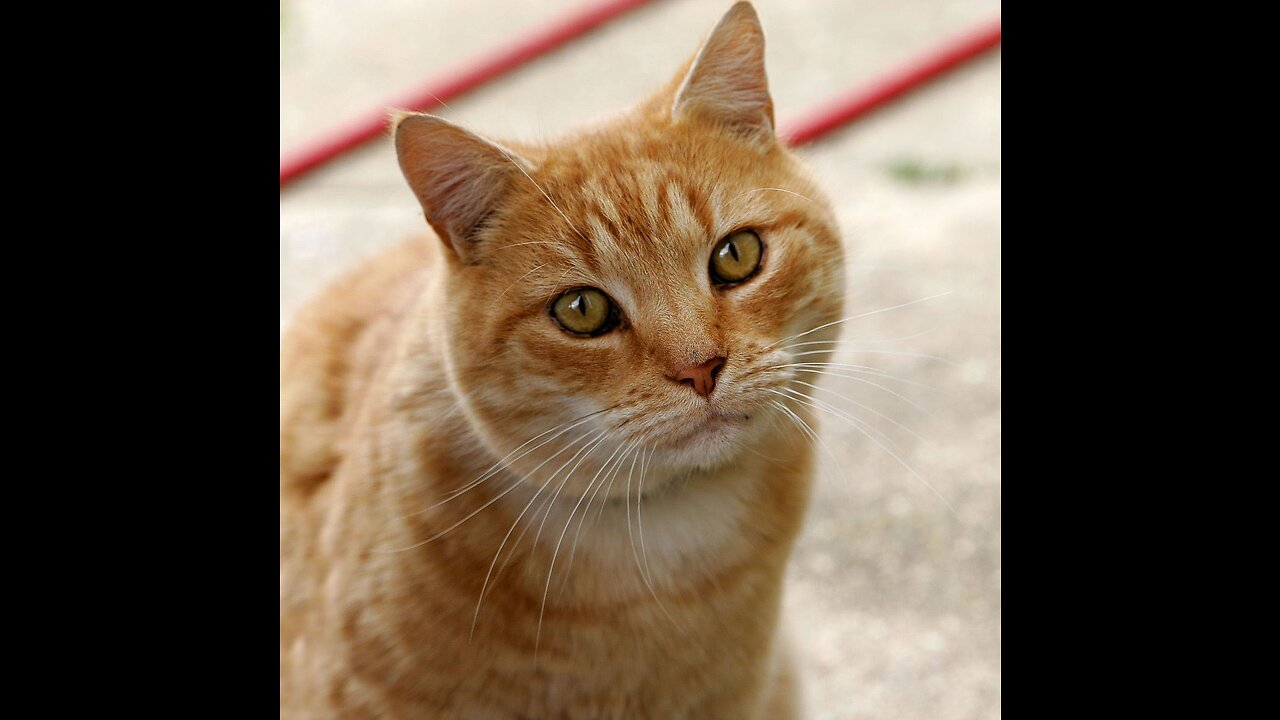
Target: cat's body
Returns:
[[393, 628], [483, 515]]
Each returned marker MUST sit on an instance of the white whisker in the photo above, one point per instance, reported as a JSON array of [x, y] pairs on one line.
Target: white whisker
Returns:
[[818, 367], [819, 404], [538, 638], [596, 442], [812, 433], [855, 317], [857, 424], [902, 338], [942, 360], [544, 192], [473, 513], [864, 407], [504, 292], [503, 462], [531, 242], [577, 535], [612, 475], [528, 505], [648, 583], [635, 446], [782, 190], [855, 378]]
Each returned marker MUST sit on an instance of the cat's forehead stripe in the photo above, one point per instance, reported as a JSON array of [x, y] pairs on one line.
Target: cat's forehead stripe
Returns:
[[597, 193], [626, 198], [686, 208], [649, 198], [641, 204], [602, 237]]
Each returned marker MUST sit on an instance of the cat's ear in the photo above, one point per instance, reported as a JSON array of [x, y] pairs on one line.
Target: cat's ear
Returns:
[[458, 176], [726, 83]]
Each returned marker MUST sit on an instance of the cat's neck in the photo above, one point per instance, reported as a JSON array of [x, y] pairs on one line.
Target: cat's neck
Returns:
[[697, 525]]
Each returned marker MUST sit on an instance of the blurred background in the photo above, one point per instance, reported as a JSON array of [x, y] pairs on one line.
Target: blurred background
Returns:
[[893, 598]]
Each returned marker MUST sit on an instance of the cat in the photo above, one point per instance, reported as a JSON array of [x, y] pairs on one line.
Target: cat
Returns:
[[549, 462]]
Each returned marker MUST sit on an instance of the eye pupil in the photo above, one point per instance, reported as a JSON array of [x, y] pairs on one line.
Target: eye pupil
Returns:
[[733, 250]]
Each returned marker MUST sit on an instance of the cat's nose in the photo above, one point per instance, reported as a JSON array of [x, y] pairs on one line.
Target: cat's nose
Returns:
[[702, 378]]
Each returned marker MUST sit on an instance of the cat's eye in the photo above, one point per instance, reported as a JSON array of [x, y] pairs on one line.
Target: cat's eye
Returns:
[[736, 257], [585, 311]]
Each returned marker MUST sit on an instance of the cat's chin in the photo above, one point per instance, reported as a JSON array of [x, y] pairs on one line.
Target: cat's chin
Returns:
[[711, 443]]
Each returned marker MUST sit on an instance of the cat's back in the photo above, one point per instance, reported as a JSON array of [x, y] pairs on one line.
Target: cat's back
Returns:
[[331, 353]]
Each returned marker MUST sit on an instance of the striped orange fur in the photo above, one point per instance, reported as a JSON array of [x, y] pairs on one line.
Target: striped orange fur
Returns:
[[485, 516]]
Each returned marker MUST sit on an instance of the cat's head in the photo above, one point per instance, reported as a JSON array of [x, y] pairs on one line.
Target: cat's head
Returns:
[[632, 292]]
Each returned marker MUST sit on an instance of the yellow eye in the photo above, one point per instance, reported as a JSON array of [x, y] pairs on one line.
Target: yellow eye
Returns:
[[736, 257], [585, 311]]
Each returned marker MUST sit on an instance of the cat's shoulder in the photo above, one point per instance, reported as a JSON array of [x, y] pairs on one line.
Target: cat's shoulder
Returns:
[[331, 351]]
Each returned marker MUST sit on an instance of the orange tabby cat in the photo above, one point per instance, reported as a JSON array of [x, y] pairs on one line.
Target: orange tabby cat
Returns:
[[547, 464]]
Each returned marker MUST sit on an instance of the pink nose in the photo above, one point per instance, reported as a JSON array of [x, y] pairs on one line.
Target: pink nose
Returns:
[[702, 378]]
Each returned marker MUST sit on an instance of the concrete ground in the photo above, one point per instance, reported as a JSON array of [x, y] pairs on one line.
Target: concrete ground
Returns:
[[894, 593]]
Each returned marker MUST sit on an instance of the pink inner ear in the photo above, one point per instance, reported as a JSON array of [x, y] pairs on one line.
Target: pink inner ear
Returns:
[[458, 177], [726, 82]]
